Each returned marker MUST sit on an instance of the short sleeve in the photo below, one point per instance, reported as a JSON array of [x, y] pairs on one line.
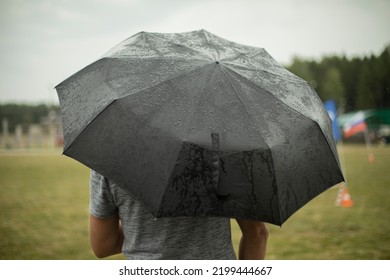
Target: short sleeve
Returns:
[[101, 200]]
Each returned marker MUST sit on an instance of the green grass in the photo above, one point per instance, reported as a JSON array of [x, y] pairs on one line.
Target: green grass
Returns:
[[44, 211], [44, 201]]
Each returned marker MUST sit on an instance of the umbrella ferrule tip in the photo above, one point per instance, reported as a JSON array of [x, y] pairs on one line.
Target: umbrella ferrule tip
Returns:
[[217, 62]]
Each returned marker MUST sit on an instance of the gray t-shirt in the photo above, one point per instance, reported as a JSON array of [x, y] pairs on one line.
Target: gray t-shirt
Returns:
[[166, 238]]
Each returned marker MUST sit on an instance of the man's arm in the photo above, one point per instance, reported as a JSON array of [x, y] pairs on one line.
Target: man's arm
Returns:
[[106, 236], [253, 243]]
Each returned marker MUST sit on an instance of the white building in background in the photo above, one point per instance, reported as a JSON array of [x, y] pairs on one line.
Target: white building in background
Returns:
[[48, 133]]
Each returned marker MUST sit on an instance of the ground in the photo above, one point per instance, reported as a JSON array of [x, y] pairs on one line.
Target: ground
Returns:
[[44, 215]]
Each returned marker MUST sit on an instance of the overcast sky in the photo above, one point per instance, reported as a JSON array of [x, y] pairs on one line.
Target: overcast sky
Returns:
[[45, 41]]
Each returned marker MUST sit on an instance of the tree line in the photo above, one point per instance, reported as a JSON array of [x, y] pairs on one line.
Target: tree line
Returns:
[[23, 114], [356, 84]]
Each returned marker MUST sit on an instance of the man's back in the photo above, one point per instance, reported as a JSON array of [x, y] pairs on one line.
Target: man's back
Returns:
[[165, 238]]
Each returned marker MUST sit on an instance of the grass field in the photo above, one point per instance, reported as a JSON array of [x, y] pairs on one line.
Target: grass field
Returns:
[[44, 211]]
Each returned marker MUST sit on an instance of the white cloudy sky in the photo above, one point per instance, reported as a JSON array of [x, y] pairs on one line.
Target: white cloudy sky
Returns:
[[42, 42]]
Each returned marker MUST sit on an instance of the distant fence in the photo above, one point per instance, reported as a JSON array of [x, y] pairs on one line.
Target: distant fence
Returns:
[[31, 136]]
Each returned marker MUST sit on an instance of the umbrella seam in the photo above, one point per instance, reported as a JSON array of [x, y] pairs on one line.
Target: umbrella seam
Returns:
[[120, 43], [247, 53], [136, 92], [161, 82], [160, 204], [284, 104], [295, 80], [334, 153], [242, 102], [177, 43], [293, 109], [209, 43], [268, 92], [169, 79], [197, 102], [61, 84], [330, 148], [87, 125], [253, 123]]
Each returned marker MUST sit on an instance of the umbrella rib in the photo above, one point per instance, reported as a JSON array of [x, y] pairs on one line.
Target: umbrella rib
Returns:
[[281, 101], [209, 43], [295, 79], [155, 35], [291, 108], [249, 54], [330, 148], [122, 95], [87, 125], [284, 104], [197, 103], [254, 125], [136, 92], [243, 104]]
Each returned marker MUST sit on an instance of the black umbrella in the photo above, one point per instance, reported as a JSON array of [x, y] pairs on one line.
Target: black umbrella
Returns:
[[193, 124]]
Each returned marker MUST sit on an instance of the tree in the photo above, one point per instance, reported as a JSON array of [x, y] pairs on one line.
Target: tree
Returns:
[[23, 114], [355, 84], [303, 70], [332, 86]]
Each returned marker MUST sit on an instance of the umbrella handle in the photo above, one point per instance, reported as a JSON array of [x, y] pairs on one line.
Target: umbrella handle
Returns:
[[215, 158], [216, 165]]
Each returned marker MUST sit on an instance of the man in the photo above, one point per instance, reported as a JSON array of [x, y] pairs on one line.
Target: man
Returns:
[[121, 224]]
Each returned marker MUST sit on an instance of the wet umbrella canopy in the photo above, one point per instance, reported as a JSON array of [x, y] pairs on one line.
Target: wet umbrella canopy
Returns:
[[192, 124]]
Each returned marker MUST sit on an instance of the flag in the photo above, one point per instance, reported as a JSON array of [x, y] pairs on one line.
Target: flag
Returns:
[[355, 125], [330, 107]]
